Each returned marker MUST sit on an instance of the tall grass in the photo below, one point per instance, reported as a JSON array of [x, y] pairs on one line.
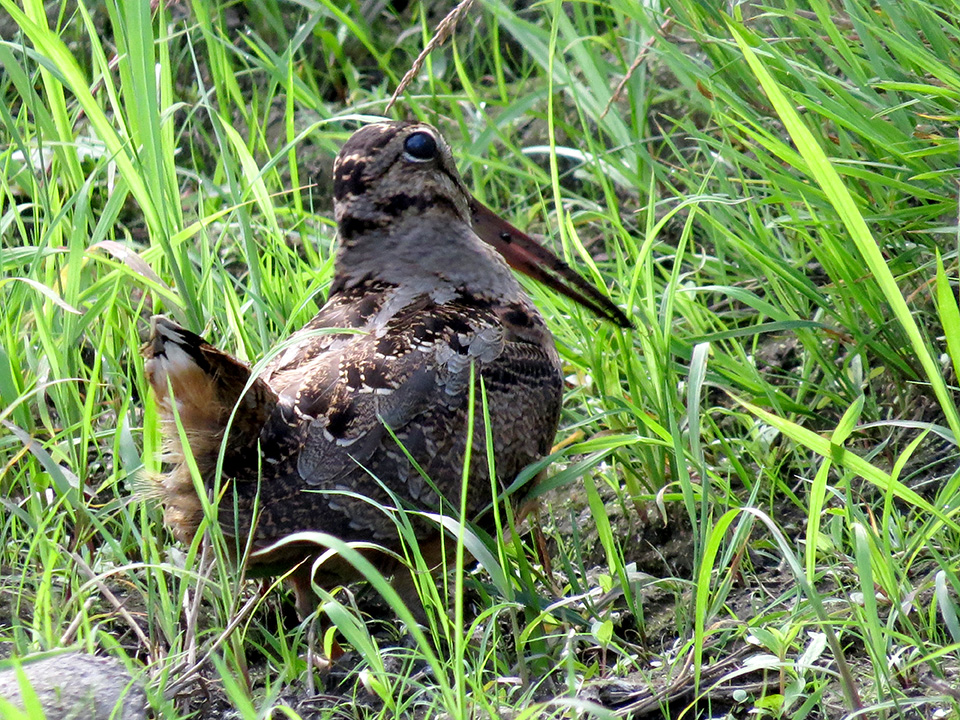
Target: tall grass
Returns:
[[766, 462]]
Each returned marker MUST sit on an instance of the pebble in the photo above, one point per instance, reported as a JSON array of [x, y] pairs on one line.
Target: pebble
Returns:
[[73, 686]]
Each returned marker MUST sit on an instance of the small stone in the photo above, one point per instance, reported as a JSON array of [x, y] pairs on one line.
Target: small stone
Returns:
[[74, 686]]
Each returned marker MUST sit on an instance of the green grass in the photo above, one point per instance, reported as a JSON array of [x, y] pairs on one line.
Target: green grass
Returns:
[[768, 461]]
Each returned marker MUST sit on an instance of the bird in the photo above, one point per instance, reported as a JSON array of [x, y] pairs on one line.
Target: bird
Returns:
[[367, 405]]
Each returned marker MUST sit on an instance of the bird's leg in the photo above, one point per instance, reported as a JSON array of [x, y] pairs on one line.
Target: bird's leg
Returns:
[[404, 581], [298, 579]]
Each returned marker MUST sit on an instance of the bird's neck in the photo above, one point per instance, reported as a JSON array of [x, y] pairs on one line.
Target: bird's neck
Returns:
[[427, 255]]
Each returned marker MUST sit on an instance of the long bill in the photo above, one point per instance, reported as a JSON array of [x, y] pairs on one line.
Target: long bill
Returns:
[[526, 255]]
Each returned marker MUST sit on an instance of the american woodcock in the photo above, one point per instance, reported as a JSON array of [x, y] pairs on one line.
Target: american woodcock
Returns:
[[423, 290]]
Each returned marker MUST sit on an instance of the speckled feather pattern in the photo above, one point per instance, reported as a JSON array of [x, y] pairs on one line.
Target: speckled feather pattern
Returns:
[[417, 299]]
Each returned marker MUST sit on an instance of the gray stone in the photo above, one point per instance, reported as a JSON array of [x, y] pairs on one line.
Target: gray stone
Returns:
[[73, 686]]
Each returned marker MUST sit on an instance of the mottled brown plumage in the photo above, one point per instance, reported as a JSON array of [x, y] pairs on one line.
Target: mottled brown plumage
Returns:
[[418, 297]]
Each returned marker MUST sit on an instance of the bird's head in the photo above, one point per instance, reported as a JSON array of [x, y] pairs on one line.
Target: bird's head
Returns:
[[389, 171], [399, 198]]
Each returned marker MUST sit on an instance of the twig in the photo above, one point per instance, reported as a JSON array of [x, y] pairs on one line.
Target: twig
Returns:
[[113, 600], [664, 28], [193, 609], [682, 686], [940, 686], [71, 631], [444, 30], [234, 623]]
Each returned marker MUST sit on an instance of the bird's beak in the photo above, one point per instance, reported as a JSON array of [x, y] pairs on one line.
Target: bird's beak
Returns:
[[526, 255]]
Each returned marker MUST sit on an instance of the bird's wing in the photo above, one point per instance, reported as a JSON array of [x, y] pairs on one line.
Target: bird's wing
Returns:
[[417, 362], [343, 314]]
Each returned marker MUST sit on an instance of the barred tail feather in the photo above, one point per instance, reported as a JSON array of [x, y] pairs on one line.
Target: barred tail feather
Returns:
[[197, 387]]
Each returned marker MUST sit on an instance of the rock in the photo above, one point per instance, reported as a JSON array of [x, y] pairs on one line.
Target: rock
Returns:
[[73, 686]]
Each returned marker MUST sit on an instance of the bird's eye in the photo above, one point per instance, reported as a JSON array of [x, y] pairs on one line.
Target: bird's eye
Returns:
[[420, 147]]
